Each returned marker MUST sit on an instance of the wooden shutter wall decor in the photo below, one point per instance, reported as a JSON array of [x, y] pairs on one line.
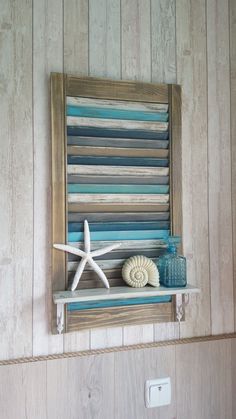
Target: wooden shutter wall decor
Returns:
[[116, 161]]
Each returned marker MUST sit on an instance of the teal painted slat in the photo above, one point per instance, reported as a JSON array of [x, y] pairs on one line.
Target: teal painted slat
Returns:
[[118, 180], [106, 226], [110, 113], [121, 235], [118, 189], [118, 161], [118, 303]]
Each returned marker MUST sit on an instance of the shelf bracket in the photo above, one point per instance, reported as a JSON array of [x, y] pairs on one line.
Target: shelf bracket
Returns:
[[182, 300], [60, 318]]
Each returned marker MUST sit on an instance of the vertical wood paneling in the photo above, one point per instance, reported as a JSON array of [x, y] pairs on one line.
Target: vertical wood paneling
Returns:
[[112, 385], [58, 395], [76, 37], [203, 380], [132, 369], [219, 169], [135, 40], [47, 57], [192, 75], [16, 179], [146, 52], [232, 14], [163, 45], [81, 388], [104, 38], [76, 61], [23, 391]]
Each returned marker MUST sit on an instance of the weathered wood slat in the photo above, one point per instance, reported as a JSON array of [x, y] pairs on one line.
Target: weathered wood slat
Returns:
[[116, 133], [110, 89], [126, 253], [110, 113], [114, 142], [110, 179], [116, 151], [75, 121], [121, 235], [117, 217], [117, 104], [119, 198], [150, 313], [118, 171], [104, 264], [129, 244], [117, 207], [110, 226]]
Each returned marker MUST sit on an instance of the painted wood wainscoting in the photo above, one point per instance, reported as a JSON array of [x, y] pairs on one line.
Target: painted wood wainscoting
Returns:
[[111, 385]]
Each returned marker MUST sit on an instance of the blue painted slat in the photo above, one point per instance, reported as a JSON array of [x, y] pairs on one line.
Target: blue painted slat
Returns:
[[117, 189], [121, 235], [118, 303], [113, 133], [110, 113], [156, 225], [118, 161]]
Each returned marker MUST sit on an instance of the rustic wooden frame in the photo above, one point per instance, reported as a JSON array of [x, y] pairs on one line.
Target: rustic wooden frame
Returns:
[[65, 85]]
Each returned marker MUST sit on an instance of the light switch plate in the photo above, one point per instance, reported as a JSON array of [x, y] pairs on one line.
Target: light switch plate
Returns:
[[158, 392]]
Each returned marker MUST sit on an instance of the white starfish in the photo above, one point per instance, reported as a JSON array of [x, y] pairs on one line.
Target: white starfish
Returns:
[[87, 257]]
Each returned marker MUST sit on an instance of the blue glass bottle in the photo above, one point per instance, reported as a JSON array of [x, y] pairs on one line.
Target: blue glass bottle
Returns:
[[172, 268]]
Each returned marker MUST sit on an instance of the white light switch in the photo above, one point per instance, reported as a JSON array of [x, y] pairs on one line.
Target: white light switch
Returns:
[[158, 392]]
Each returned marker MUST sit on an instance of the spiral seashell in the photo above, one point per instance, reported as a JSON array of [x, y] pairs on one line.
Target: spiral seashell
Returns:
[[139, 270]]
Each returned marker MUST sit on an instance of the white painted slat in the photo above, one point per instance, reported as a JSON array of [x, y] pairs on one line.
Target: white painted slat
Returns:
[[77, 121], [73, 169], [117, 104], [119, 198]]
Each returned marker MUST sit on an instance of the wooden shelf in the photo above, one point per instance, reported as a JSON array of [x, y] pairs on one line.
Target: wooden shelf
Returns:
[[61, 298], [116, 293]]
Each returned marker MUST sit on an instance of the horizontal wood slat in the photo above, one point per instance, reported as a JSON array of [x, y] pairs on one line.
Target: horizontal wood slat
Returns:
[[118, 171], [140, 143], [111, 216], [150, 313], [116, 207], [109, 89], [117, 104], [116, 151]]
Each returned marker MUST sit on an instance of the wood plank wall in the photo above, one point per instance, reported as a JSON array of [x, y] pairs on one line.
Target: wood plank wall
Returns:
[[186, 41], [111, 386]]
